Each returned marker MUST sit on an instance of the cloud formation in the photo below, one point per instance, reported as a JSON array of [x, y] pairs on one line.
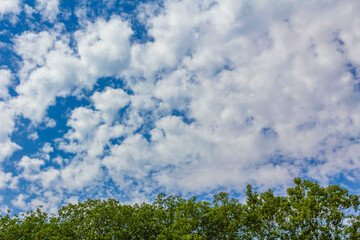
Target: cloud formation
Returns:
[[218, 95]]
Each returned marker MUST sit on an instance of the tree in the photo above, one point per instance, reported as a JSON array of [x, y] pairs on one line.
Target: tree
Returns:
[[316, 212], [308, 211]]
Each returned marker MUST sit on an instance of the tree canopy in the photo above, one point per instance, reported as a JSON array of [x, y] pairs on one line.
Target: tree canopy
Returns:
[[308, 211]]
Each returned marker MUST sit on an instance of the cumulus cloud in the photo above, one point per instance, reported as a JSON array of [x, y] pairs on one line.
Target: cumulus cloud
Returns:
[[5, 179], [49, 9], [224, 94], [258, 83], [250, 87], [104, 46], [30, 166], [81, 174], [33, 47], [47, 148], [110, 102], [129, 162], [20, 201], [88, 133], [9, 6], [7, 147], [285, 89], [33, 136], [53, 69], [49, 122]]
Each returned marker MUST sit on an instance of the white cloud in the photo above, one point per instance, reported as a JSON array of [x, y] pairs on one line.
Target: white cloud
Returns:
[[104, 46], [48, 177], [5, 81], [9, 6], [49, 122], [30, 166], [261, 88], [242, 69], [58, 160], [33, 136], [49, 201], [7, 148], [33, 47], [72, 200], [84, 122], [29, 11], [80, 174], [131, 159], [55, 70], [52, 71], [89, 133], [5, 179], [20, 201], [31, 171], [47, 148], [49, 9], [255, 85], [109, 102]]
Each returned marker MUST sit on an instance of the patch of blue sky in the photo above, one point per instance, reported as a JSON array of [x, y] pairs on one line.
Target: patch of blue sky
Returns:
[[101, 191], [339, 42], [117, 141], [61, 112], [113, 82], [209, 194], [8, 59], [347, 180], [144, 130], [23, 129], [147, 126], [354, 139], [105, 9], [68, 16], [184, 114], [110, 189], [357, 87], [269, 132], [122, 115], [352, 69], [278, 158], [355, 74], [32, 147], [316, 160], [9, 195]]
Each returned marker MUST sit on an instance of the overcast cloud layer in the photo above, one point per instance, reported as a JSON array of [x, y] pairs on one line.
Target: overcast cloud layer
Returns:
[[126, 101]]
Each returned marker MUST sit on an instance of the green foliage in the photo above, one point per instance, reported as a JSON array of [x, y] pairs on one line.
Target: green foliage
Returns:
[[308, 211]]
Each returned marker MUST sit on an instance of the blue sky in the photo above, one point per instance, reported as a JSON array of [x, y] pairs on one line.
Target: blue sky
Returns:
[[127, 99]]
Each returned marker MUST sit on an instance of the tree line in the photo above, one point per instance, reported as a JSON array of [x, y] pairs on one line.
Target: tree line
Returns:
[[308, 211]]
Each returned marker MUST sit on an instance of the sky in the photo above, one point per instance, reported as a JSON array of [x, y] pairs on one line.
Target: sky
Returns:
[[127, 99]]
